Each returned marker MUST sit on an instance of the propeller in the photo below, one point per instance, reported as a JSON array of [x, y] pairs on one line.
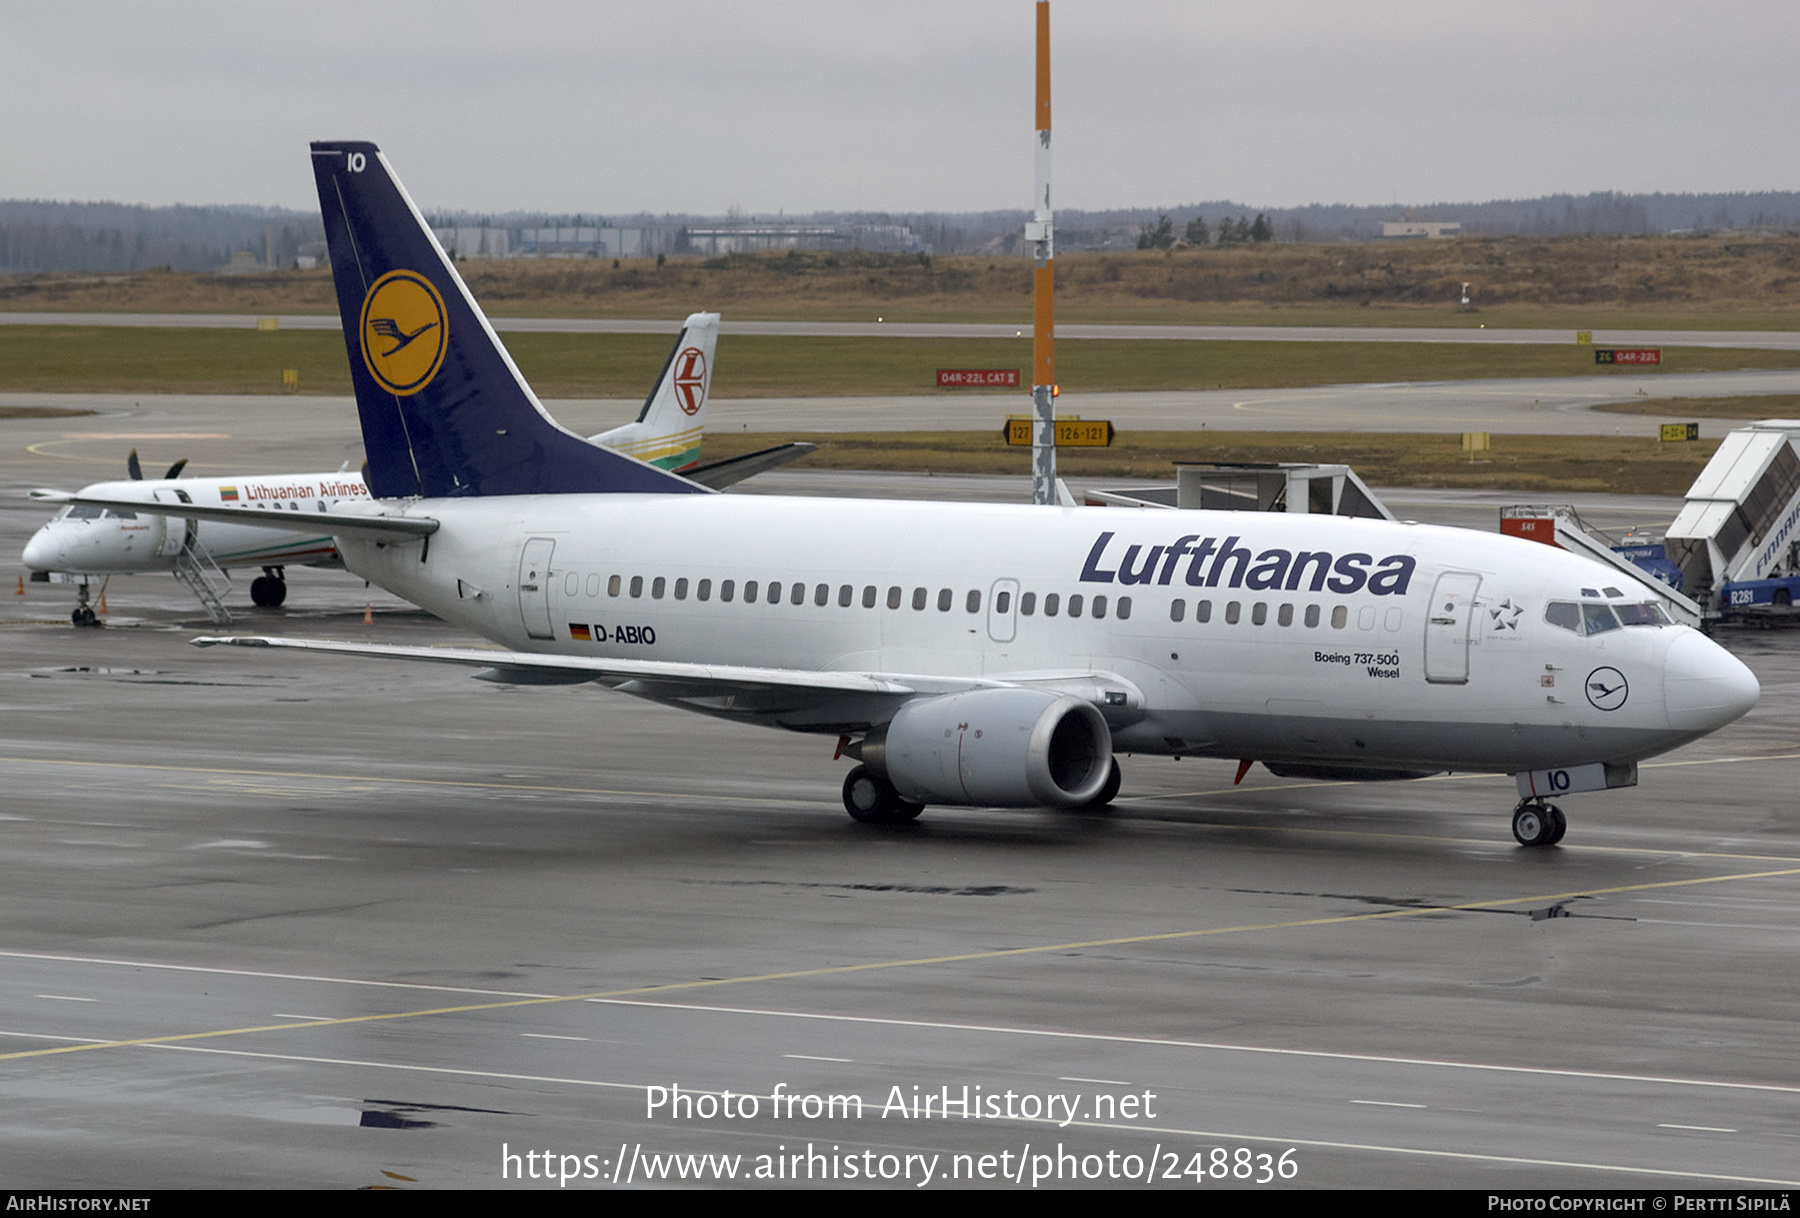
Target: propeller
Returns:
[[136, 470]]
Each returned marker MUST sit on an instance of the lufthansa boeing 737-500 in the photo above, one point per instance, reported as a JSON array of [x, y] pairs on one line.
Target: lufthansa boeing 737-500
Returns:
[[987, 655]]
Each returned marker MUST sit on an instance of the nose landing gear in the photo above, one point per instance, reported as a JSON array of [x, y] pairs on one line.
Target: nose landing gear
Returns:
[[1537, 823], [84, 613]]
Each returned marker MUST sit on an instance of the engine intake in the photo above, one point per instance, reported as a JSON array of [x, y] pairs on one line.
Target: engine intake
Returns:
[[1010, 748]]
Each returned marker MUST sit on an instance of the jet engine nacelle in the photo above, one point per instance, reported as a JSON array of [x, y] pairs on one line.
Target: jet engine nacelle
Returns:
[[1015, 748]]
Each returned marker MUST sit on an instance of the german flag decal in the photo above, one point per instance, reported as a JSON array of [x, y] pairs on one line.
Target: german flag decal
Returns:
[[580, 633]]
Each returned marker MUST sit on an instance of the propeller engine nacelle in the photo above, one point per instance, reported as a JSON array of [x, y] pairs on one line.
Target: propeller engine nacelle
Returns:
[[1015, 748]]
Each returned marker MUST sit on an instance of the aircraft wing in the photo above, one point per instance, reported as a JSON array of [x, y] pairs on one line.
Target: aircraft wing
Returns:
[[721, 474], [338, 523], [525, 668]]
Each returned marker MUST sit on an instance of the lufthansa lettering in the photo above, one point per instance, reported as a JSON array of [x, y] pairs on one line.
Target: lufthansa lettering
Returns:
[[1212, 564]]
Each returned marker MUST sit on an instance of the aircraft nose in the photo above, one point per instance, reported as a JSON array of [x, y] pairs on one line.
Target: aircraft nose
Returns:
[[1704, 686], [43, 552]]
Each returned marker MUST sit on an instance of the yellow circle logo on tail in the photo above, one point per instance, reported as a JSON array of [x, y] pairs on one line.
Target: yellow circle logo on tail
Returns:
[[403, 332]]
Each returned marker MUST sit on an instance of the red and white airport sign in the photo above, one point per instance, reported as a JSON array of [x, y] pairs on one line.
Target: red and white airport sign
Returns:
[[978, 378], [1627, 355]]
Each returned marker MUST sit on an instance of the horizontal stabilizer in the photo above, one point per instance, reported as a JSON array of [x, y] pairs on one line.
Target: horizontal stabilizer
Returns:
[[732, 470]]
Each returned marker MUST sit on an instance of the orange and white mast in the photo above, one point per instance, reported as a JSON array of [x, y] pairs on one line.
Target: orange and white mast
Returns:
[[1043, 326]]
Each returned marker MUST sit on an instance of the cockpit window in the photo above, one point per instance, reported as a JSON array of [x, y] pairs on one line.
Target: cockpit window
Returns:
[[79, 512], [112, 515], [1598, 618], [1649, 613], [1612, 592], [1565, 614]]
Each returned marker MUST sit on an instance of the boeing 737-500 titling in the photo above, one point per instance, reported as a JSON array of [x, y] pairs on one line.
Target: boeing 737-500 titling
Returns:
[[966, 654]]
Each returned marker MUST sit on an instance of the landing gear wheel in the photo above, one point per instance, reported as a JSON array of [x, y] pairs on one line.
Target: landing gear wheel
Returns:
[[267, 591], [84, 616], [872, 800], [1559, 824], [1537, 824], [1109, 792]]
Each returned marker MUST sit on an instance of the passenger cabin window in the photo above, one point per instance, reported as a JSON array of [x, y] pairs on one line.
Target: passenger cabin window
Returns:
[[612, 586], [1124, 608], [681, 586], [637, 585], [749, 592], [657, 587], [726, 589], [1028, 603], [1002, 602], [593, 585], [893, 598], [845, 595], [1232, 612], [1312, 617], [1075, 605], [798, 596], [1340, 617], [1051, 601], [972, 602], [1285, 616], [1259, 613], [1203, 612], [1099, 606], [869, 597], [704, 590], [1177, 609], [945, 596], [919, 595]]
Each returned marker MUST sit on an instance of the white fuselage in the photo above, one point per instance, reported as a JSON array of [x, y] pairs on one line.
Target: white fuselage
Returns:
[[88, 541], [1257, 635]]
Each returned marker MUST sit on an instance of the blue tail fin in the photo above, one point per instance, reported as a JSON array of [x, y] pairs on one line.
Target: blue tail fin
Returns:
[[444, 410]]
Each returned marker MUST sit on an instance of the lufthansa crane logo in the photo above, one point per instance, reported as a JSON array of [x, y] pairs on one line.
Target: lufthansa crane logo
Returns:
[[1606, 689], [403, 332], [690, 380]]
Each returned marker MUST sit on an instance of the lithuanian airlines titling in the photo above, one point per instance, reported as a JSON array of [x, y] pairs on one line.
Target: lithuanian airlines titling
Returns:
[[987, 655]]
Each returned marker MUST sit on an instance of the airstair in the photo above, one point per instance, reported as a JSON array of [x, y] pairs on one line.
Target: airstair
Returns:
[[195, 568], [1742, 514]]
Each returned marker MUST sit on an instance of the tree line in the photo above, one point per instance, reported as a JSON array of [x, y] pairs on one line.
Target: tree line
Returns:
[[1159, 234]]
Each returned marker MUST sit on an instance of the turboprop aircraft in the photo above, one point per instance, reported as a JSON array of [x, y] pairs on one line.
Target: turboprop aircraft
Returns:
[[990, 655], [88, 542]]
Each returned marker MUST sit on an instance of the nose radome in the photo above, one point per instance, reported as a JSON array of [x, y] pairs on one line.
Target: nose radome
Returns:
[[1704, 686], [42, 552]]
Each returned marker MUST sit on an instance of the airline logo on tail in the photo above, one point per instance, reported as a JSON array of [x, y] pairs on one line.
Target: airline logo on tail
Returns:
[[404, 332], [690, 380]]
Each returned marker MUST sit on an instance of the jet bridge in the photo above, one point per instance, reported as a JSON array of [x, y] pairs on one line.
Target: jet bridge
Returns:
[[1743, 512]]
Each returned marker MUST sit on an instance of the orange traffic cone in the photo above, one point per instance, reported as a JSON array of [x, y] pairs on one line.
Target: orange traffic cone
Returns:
[[103, 602], [368, 615], [21, 591]]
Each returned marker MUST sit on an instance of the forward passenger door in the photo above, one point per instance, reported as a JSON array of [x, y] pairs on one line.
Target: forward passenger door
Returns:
[[1449, 627]]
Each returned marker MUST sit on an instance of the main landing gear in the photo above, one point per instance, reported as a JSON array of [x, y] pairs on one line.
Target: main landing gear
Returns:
[[269, 589], [1536, 823], [872, 800]]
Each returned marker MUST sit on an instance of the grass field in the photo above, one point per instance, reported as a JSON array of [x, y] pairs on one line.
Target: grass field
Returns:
[[123, 360], [1531, 465], [1674, 282], [1771, 406]]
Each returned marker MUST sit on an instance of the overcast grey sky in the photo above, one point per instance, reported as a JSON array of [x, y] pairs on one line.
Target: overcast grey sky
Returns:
[[802, 105]]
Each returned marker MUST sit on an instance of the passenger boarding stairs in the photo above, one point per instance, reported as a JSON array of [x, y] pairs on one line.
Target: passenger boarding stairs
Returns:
[[1743, 512], [195, 567]]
